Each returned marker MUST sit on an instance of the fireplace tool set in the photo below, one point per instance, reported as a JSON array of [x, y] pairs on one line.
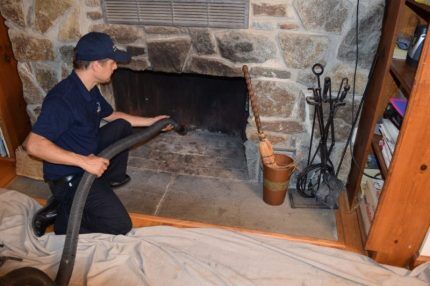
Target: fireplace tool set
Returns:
[[318, 180]]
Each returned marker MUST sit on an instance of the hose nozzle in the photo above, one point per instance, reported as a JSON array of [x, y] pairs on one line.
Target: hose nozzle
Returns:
[[181, 129]]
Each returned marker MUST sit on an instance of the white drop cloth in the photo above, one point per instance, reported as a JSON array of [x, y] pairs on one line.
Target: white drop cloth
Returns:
[[171, 256]]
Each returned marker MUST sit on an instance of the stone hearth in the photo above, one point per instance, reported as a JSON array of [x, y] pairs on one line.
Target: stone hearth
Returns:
[[202, 177], [199, 154], [284, 39]]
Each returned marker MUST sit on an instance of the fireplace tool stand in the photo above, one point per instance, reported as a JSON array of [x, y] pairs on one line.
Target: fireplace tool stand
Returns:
[[318, 180]]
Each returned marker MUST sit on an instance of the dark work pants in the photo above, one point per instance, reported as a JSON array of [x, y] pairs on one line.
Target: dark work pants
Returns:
[[103, 211]]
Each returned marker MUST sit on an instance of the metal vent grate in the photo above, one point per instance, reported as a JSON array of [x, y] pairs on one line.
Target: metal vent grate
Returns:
[[194, 13]]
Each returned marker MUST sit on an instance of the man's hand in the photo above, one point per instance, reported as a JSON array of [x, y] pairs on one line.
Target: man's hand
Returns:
[[158, 118], [95, 165]]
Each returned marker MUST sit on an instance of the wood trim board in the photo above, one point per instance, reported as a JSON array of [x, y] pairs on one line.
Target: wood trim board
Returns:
[[13, 114], [418, 260], [7, 171], [142, 220]]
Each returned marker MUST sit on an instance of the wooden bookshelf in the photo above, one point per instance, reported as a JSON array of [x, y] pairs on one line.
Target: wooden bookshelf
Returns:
[[402, 215]]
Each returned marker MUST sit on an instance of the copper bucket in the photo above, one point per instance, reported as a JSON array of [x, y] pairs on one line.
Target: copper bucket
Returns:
[[276, 180]]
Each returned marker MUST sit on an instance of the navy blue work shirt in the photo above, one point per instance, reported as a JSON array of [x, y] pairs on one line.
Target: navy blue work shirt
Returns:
[[70, 118]]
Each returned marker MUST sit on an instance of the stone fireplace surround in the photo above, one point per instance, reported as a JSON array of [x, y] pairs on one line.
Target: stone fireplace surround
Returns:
[[284, 39]]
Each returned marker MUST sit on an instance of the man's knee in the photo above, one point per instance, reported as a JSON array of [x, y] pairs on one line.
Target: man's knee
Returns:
[[123, 125], [122, 226], [127, 226]]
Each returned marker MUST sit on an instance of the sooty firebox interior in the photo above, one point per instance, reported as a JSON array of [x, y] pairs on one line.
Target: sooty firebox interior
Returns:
[[216, 104]]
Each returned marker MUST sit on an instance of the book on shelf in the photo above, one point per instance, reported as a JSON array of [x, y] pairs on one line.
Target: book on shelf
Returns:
[[425, 246], [387, 141], [396, 110], [389, 133], [370, 192], [371, 187], [385, 151], [372, 162], [366, 216], [399, 104], [4, 152]]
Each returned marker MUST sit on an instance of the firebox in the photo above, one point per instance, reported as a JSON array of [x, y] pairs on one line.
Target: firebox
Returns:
[[215, 104], [214, 110]]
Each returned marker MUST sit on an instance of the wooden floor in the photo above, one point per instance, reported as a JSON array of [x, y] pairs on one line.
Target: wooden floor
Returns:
[[7, 171]]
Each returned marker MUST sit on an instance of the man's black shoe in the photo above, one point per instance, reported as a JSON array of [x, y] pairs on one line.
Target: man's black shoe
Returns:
[[120, 183], [45, 217]]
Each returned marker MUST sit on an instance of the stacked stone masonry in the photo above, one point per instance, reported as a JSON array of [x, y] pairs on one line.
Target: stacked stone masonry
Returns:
[[284, 39]]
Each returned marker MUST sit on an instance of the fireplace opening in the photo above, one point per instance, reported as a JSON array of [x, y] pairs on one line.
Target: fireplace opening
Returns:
[[214, 109], [216, 104]]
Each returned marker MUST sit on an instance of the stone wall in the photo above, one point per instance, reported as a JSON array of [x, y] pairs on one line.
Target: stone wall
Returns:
[[284, 39]]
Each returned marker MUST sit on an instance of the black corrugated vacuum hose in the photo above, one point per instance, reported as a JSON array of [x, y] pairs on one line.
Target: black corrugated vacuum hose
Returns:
[[34, 277], [69, 252]]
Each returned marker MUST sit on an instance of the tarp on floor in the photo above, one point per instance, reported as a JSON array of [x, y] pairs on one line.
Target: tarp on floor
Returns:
[[199, 256]]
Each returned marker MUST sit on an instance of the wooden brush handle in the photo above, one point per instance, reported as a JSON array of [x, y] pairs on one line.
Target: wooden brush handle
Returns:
[[253, 99]]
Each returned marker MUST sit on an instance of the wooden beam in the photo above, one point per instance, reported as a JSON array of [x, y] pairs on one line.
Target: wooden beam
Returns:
[[142, 220], [13, 115], [348, 227], [7, 171], [418, 260]]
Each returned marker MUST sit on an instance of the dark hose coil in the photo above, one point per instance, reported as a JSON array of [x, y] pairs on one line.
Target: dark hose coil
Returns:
[[70, 245]]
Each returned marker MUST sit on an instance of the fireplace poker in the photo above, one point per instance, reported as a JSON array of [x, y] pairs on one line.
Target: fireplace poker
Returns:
[[319, 180], [317, 70]]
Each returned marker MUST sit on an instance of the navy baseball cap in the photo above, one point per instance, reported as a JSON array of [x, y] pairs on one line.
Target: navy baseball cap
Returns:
[[98, 46]]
